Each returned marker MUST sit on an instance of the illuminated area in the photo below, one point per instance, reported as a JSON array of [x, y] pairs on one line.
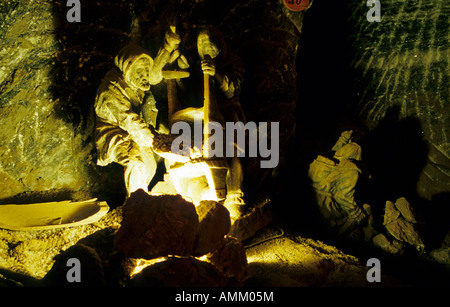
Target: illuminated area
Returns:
[[142, 264], [200, 181], [93, 194]]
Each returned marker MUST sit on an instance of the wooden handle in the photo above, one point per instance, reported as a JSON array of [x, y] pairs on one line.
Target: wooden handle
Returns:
[[173, 102], [206, 114], [174, 74]]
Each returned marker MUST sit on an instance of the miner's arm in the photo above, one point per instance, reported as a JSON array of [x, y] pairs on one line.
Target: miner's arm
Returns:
[[228, 75], [120, 111]]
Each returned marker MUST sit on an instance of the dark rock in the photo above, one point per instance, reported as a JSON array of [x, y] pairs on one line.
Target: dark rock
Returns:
[[215, 224], [50, 72], [441, 255], [412, 77], [7, 282], [399, 225], [406, 210], [179, 272], [155, 226], [394, 247], [91, 268], [116, 266], [231, 260], [390, 213], [404, 231], [257, 218]]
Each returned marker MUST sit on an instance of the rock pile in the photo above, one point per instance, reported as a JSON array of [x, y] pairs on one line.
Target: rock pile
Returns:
[[402, 225], [164, 228]]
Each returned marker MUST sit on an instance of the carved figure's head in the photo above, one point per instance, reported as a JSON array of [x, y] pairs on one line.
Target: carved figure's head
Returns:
[[139, 73], [136, 66], [206, 44], [350, 151]]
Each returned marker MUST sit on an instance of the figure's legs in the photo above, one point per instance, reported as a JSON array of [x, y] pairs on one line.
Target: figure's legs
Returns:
[[139, 168], [235, 177], [234, 201]]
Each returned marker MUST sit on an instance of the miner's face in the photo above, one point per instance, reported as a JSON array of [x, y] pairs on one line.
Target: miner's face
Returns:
[[140, 74], [205, 46]]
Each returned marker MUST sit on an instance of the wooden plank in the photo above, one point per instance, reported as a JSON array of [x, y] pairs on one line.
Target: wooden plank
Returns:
[[39, 216]]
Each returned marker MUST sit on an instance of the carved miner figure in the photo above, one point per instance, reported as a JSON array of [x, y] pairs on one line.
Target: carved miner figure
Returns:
[[334, 185], [227, 71], [214, 83], [121, 134]]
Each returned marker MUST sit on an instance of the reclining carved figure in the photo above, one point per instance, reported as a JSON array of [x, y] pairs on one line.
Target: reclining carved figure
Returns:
[[334, 185]]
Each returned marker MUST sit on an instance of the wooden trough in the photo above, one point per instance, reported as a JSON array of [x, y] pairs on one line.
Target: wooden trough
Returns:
[[51, 215]]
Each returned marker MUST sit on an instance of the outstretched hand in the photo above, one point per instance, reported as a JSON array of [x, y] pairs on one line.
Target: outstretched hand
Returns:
[[162, 146]]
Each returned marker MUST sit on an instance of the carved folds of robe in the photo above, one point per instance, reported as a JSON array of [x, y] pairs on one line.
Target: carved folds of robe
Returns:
[[334, 185], [121, 134]]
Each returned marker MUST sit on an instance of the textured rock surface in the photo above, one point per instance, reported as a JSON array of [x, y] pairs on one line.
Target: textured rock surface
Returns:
[[157, 226], [302, 262], [179, 272], [31, 158], [383, 242], [400, 221], [32, 252], [214, 224], [231, 260], [259, 217], [402, 61], [91, 268], [49, 71], [442, 254]]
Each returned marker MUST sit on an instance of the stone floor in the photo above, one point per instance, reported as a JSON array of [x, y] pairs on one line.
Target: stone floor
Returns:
[[276, 258], [286, 260]]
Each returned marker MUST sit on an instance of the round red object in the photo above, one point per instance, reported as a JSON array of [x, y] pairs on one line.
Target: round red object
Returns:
[[297, 5]]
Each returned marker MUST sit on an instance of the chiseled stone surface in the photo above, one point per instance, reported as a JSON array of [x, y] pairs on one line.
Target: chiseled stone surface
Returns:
[[49, 71], [157, 226], [402, 61]]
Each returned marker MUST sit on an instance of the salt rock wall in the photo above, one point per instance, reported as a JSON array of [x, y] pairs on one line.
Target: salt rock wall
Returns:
[[27, 54], [401, 81], [49, 72]]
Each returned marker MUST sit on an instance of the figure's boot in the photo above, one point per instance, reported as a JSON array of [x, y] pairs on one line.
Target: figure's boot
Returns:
[[234, 201], [236, 205], [138, 174]]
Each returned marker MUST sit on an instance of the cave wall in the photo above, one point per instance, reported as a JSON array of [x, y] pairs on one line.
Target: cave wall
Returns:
[[50, 70], [39, 150], [401, 90]]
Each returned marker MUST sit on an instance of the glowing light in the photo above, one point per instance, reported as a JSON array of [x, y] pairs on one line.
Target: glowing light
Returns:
[[143, 263], [200, 180], [203, 258]]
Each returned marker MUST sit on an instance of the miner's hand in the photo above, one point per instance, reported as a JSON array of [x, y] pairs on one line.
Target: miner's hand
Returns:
[[162, 145], [208, 67]]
